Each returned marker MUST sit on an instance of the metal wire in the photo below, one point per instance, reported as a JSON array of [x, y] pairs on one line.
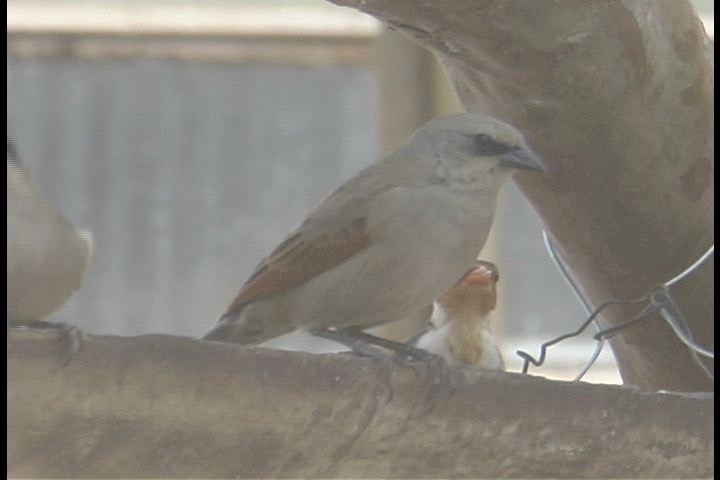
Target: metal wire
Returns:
[[559, 264], [662, 301], [612, 331], [591, 361], [528, 359], [674, 317], [691, 268], [659, 300]]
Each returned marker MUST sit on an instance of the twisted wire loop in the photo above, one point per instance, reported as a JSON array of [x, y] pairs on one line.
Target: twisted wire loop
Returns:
[[657, 299], [672, 314], [640, 316], [550, 248], [528, 359]]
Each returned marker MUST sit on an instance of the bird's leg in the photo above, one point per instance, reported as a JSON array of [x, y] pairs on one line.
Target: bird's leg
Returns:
[[408, 354], [362, 343], [405, 349], [71, 336], [356, 339], [361, 347]]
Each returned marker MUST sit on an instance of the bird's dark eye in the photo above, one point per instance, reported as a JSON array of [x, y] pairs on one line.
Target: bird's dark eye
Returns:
[[485, 146]]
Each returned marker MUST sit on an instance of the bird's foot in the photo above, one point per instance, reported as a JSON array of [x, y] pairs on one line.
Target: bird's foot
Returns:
[[72, 338], [410, 352], [433, 367], [436, 365], [357, 346], [366, 345]]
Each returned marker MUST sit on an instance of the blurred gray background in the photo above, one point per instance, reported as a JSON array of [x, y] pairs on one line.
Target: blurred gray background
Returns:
[[186, 174]]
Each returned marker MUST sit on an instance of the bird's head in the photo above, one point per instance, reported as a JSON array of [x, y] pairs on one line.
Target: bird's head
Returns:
[[473, 149], [476, 291]]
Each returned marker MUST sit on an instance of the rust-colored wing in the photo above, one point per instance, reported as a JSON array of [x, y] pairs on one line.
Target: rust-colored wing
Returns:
[[301, 257]]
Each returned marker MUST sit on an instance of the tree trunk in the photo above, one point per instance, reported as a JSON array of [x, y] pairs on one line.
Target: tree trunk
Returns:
[[617, 96]]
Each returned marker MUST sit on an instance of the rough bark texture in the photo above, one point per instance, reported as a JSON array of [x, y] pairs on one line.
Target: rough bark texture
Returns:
[[617, 96], [171, 407]]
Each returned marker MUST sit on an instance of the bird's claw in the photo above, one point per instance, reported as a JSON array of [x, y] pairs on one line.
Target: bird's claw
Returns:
[[435, 367], [71, 337], [415, 354], [74, 341]]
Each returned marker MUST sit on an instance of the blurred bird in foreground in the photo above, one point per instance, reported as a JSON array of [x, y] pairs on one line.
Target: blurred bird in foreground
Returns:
[[47, 257], [389, 241], [459, 329]]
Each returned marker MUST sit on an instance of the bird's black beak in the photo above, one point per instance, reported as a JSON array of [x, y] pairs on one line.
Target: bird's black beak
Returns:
[[522, 159]]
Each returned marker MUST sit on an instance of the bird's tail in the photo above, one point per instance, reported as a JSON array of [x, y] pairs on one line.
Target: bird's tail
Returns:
[[245, 328], [224, 331]]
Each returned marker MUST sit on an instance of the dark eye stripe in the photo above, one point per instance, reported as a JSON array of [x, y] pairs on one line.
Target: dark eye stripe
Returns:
[[486, 146]]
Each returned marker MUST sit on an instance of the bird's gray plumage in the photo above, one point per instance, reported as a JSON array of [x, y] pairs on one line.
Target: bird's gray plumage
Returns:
[[390, 240]]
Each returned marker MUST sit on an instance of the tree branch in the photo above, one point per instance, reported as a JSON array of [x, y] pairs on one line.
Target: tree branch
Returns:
[[163, 406]]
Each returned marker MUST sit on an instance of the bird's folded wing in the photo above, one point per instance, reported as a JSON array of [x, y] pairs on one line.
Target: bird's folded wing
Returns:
[[338, 229], [301, 257]]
